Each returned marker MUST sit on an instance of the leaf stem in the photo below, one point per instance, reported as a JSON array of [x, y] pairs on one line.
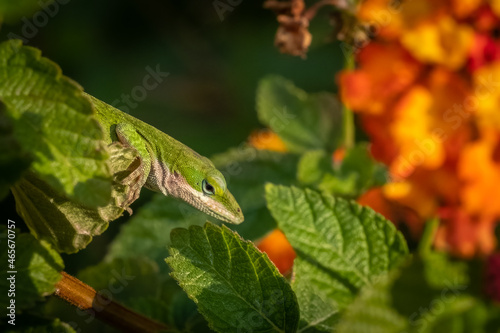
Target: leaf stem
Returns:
[[428, 236], [348, 115], [86, 298]]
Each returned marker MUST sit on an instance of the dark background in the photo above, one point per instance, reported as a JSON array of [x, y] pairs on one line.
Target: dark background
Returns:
[[208, 100]]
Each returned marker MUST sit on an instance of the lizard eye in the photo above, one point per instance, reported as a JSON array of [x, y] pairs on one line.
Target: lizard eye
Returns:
[[207, 187]]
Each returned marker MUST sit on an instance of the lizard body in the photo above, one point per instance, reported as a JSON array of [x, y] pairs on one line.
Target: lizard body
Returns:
[[168, 166]]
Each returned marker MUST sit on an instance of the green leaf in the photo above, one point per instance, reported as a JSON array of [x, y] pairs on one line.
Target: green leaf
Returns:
[[428, 294], [340, 245], [26, 323], [359, 169], [461, 314], [150, 307], [313, 166], [317, 312], [178, 311], [66, 224], [55, 123], [183, 313], [53, 217], [134, 282], [247, 170], [371, 311], [350, 177], [137, 283], [124, 278], [37, 265], [146, 235], [428, 278], [344, 186], [13, 159], [147, 232], [235, 285], [303, 121]]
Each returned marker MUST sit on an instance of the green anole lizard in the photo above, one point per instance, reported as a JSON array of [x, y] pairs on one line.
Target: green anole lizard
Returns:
[[168, 166]]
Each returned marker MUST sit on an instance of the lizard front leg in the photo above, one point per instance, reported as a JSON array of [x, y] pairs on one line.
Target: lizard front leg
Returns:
[[139, 169]]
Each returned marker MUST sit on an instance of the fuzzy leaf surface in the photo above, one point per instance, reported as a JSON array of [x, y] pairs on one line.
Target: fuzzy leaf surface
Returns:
[[340, 245], [54, 122], [38, 269], [235, 286]]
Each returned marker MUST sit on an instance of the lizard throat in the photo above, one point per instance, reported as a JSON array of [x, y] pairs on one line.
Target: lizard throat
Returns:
[[169, 183]]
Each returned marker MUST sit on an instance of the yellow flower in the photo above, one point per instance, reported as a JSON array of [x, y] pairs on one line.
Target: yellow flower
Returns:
[[411, 195], [433, 120], [463, 8], [444, 42], [495, 6], [382, 16], [412, 130], [392, 18], [486, 95], [479, 169]]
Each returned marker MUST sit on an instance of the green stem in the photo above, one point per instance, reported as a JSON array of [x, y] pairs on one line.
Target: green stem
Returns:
[[428, 236], [347, 114]]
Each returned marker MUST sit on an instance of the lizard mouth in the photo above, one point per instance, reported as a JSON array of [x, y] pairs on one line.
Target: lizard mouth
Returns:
[[218, 210], [224, 208]]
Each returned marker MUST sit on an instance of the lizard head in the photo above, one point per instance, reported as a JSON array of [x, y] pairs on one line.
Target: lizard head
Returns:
[[204, 187]]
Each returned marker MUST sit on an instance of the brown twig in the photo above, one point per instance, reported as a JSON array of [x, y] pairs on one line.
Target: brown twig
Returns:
[[86, 298]]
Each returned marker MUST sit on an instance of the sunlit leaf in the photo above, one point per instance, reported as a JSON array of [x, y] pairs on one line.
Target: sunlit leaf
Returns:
[[36, 265], [340, 245], [54, 122], [53, 217], [317, 312], [235, 286]]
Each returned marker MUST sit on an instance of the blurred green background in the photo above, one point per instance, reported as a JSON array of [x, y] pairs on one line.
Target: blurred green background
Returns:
[[208, 100]]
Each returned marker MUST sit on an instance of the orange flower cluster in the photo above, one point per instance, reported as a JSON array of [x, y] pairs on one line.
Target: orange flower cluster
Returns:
[[278, 249], [267, 139], [427, 89]]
